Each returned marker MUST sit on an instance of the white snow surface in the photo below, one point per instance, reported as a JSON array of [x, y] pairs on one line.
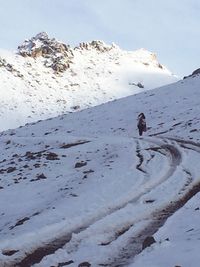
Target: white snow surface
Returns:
[[177, 242], [121, 184], [30, 91]]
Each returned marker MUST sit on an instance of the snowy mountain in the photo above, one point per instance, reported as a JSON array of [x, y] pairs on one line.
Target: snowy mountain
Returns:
[[46, 78], [84, 190]]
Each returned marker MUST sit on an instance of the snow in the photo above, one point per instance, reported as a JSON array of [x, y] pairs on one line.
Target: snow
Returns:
[[177, 242], [33, 91], [122, 185]]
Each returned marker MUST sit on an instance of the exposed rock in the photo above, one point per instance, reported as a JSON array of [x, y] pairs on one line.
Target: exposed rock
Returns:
[[140, 85], [76, 107], [98, 45], [74, 144], [11, 169], [30, 155], [148, 241], [41, 176], [195, 73], [20, 222], [80, 164], [2, 171], [37, 165], [73, 195], [52, 156], [57, 55], [149, 200], [9, 252], [84, 264], [61, 264], [89, 171], [10, 68], [2, 62]]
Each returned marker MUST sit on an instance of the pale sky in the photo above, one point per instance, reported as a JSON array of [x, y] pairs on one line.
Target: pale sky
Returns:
[[170, 28]]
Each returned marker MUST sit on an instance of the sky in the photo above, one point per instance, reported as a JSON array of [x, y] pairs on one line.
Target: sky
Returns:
[[168, 28]]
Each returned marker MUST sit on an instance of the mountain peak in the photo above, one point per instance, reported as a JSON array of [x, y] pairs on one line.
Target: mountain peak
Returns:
[[55, 78], [41, 36], [57, 54], [98, 45], [147, 57]]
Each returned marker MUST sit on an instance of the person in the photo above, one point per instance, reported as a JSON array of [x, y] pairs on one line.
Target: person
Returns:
[[141, 123]]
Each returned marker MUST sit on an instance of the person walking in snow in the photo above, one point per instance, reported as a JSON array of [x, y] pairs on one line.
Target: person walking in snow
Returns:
[[141, 124]]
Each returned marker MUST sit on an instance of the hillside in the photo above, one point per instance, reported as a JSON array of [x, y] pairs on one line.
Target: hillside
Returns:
[[46, 78], [83, 187]]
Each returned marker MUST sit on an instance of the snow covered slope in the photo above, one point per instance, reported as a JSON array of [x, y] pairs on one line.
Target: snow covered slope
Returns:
[[47, 78], [83, 187]]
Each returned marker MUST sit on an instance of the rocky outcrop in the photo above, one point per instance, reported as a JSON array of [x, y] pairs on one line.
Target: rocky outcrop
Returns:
[[2, 62], [97, 45], [57, 55], [84, 264], [9, 67], [195, 73]]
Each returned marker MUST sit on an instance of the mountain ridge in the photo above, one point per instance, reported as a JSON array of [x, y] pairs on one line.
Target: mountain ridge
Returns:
[[58, 79]]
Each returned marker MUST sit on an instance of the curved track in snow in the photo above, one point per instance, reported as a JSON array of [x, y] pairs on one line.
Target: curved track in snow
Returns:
[[172, 150], [134, 246]]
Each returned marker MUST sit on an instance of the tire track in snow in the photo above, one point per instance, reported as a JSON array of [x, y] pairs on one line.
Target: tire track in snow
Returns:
[[140, 157], [134, 246], [37, 254]]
